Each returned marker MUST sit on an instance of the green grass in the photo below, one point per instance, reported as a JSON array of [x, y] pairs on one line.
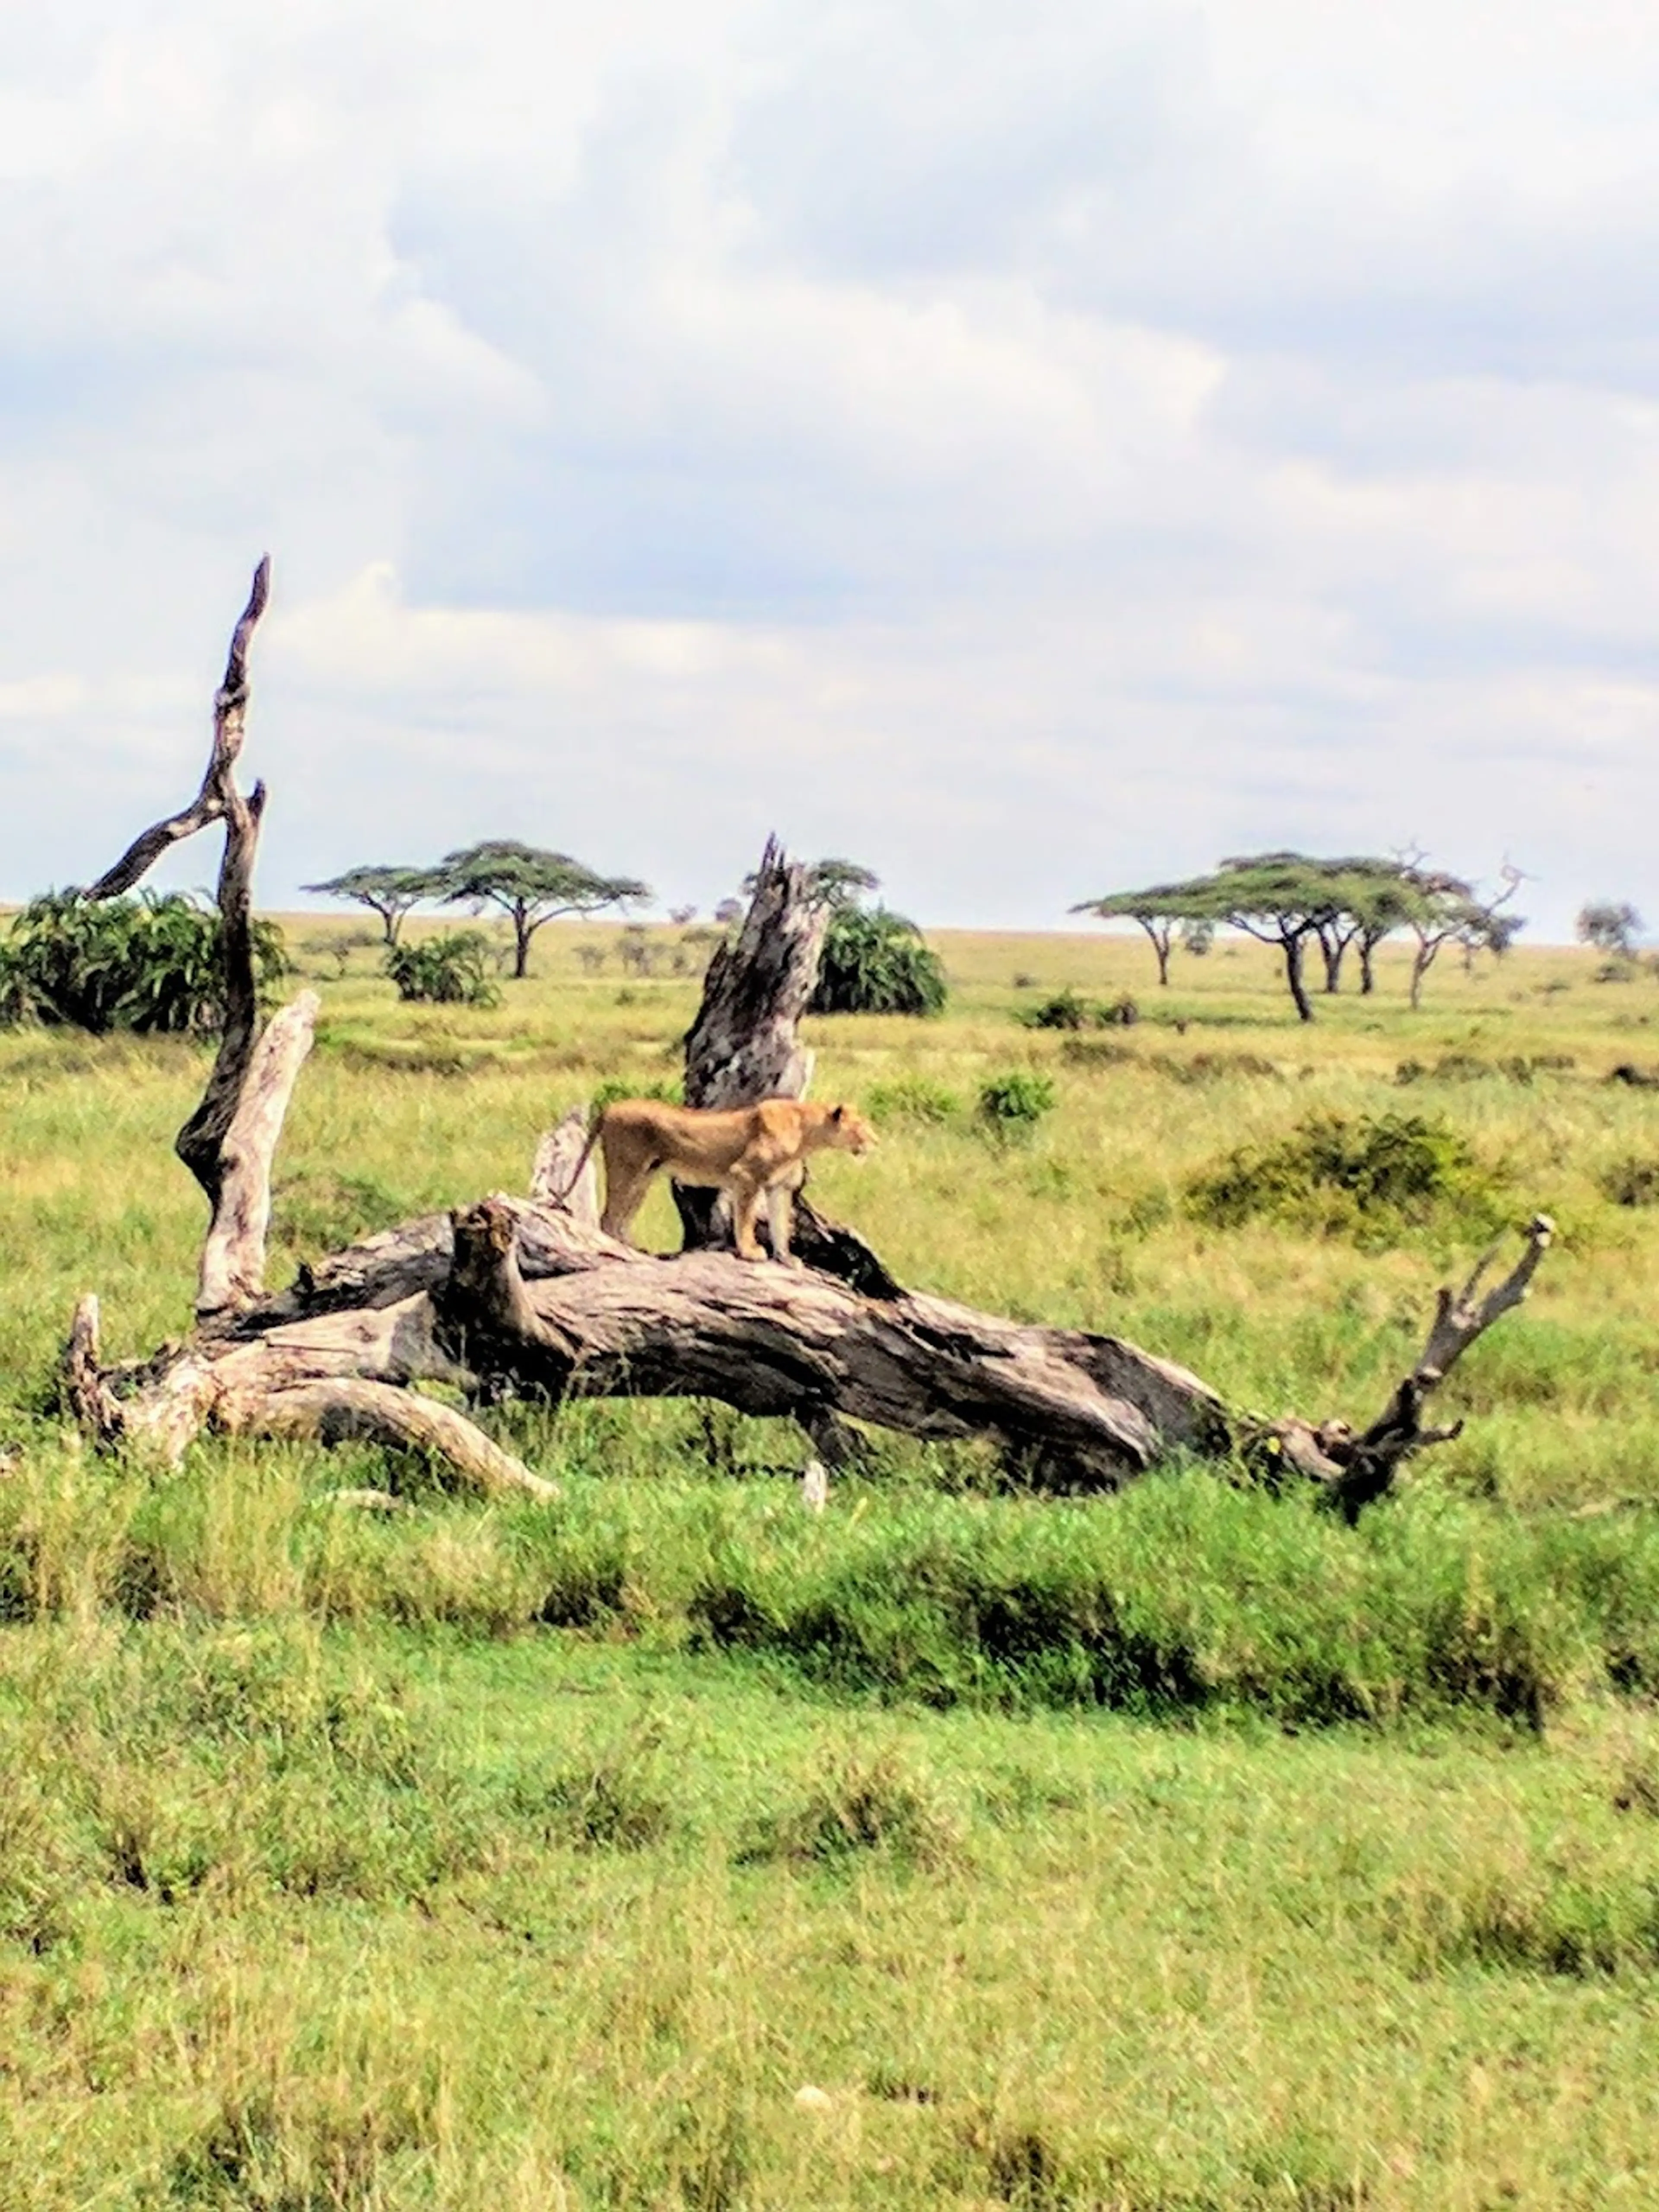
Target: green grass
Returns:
[[1179, 1849]]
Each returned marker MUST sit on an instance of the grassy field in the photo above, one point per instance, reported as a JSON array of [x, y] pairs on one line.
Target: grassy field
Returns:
[[670, 1848]]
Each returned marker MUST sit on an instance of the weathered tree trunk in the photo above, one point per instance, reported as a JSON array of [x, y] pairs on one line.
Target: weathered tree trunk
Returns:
[[508, 1296], [743, 1046]]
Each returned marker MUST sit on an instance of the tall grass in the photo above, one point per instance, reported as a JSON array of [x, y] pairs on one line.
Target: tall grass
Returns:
[[1183, 1596], [674, 1847]]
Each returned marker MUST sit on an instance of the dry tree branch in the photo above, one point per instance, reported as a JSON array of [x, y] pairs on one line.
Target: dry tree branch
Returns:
[[1357, 1470], [218, 793]]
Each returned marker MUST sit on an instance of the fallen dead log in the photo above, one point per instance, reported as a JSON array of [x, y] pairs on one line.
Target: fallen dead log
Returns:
[[527, 1296]]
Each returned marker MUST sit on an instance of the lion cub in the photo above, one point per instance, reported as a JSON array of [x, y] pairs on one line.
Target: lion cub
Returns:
[[751, 1152]]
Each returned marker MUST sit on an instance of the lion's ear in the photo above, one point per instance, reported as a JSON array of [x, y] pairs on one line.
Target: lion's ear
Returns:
[[837, 1113]]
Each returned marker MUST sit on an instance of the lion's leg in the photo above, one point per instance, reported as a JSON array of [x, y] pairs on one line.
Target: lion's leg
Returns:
[[746, 1199], [780, 1215], [624, 1194]]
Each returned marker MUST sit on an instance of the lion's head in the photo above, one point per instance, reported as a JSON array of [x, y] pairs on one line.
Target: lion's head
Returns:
[[849, 1131]]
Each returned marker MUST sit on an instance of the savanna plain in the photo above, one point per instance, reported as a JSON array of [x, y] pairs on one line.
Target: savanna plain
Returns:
[[670, 1845]]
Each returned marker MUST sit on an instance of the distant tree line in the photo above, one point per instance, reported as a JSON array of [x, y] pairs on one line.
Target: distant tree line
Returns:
[[1307, 907]]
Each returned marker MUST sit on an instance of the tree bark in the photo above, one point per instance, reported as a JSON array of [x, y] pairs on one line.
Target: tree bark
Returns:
[[743, 1045]]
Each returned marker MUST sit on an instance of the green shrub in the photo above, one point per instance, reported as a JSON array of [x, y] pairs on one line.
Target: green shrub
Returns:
[[1067, 1010], [153, 963], [1011, 1105], [1368, 1175], [876, 963], [450, 971]]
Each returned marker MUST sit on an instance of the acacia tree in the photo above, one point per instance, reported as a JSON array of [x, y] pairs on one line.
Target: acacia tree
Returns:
[[1280, 898], [1611, 927], [390, 893], [1166, 912], [833, 883], [1443, 909], [1362, 901], [531, 887]]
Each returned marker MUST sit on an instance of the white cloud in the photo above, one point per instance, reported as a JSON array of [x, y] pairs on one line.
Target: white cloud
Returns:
[[1035, 452]]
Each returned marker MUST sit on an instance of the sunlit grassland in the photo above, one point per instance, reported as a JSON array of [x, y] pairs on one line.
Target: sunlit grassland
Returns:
[[1179, 1849]]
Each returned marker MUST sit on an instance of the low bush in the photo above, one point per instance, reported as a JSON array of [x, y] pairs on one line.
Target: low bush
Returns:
[[1097, 1052], [1185, 1594], [153, 963], [452, 969], [1469, 1067], [1068, 1009], [1365, 1176], [1182, 1593], [1011, 1105], [1213, 1067]]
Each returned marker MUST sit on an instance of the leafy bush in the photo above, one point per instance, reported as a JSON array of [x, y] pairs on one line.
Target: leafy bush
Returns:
[[1068, 1009], [1365, 1175], [1012, 1104], [152, 963], [913, 1098], [875, 963], [451, 971]]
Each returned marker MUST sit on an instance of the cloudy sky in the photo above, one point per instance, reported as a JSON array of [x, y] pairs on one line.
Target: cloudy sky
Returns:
[[1034, 450]]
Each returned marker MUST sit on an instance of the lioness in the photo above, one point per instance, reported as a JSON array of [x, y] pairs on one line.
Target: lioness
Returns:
[[750, 1152]]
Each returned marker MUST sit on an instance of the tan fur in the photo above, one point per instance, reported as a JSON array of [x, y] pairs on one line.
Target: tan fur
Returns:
[[752, 1153]]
